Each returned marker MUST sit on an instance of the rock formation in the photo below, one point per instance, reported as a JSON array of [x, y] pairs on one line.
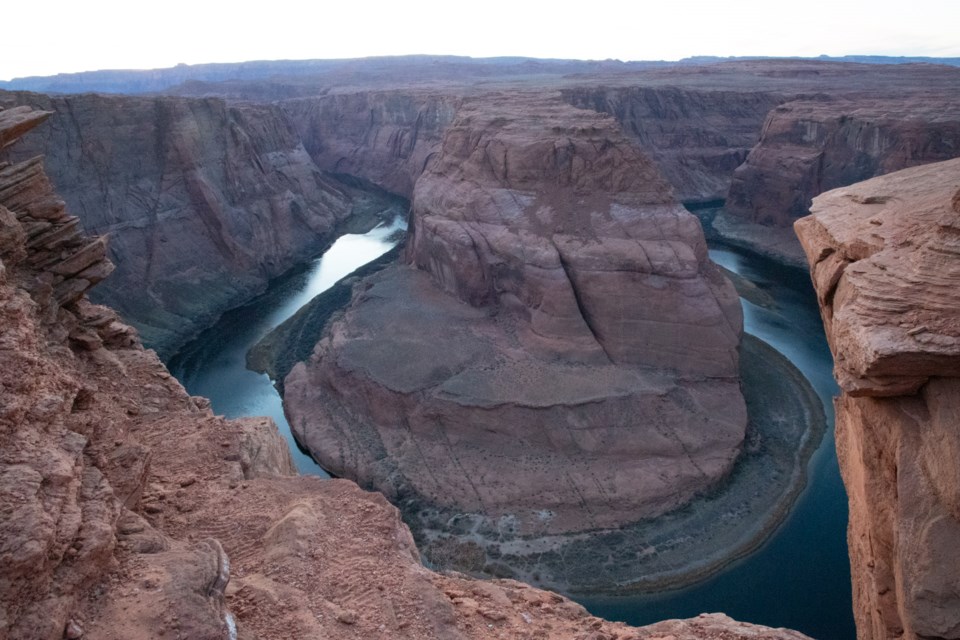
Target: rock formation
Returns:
[[559, 356], [204, 203], [811, 146], [386, 137], [885, 260], [130, 511]]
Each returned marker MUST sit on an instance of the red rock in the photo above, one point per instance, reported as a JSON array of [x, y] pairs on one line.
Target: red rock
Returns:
[[811, 146], [885, 259], [76, 558], [564, 357]]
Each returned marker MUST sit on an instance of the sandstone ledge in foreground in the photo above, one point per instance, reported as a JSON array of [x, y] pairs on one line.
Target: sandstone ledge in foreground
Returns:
[[885, 259]]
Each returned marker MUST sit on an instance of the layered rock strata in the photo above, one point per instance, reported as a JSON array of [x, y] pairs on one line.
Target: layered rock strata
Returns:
[[385, 137], [203, 202], [696, 137], [130, 511], [885, 260], [810, 146], [558, 356]]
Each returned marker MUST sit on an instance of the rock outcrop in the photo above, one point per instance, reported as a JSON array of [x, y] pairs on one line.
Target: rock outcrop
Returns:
[[131, 511], [559, 356], [203, 202], [885, 260]]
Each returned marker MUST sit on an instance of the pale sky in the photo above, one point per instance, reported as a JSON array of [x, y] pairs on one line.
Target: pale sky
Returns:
[[43, 38]]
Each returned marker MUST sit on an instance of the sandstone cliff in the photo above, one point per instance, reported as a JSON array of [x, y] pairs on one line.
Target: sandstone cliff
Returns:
[[560, 356], [811, 146], [203, 202], [130, 511], [885, 260], [386, 137], [696, 137]]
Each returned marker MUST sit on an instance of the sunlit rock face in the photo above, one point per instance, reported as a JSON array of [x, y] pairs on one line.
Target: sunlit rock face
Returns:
[[558, 355], [885, 259]]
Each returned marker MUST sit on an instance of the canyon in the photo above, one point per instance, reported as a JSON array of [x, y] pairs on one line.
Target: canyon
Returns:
[[243, 181], [131, 511], [303, 152]]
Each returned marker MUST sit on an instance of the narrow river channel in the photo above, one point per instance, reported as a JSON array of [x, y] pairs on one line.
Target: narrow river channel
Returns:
[[798, 579], [214, 365]]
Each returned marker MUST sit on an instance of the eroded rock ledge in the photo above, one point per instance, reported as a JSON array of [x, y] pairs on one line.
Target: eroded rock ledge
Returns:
[[810, 146], [885, 259], [130, 511]]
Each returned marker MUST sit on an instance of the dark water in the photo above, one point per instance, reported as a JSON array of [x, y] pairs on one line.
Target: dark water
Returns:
[[214, 365], [800, 578]]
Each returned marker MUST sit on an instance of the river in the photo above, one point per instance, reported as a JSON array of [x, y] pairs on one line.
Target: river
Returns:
[[214, 364], [798, 579]]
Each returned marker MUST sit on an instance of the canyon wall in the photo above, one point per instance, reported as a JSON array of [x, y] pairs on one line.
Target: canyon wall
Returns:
[[696, 137], [885, 260], [810, 146], [131, 511], [386, 137], [203, 202]]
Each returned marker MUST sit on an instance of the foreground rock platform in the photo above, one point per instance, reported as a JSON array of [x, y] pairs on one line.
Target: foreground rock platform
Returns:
[[885, 259]]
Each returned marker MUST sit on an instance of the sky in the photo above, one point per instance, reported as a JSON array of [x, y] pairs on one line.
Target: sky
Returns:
[[59, 36]]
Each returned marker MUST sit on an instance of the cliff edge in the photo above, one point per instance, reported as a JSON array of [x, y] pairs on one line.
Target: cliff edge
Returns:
[[885, 260]]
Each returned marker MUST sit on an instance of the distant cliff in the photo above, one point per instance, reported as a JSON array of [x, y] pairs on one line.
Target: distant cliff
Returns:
[[885, 259], [810, 146], [203, 202], [386, 137], [696, 137]]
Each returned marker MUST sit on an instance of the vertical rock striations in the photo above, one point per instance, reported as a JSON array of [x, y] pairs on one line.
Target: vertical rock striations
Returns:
[[561, 356], [696, 137], [203, 202], [385, 137], [885, 259]]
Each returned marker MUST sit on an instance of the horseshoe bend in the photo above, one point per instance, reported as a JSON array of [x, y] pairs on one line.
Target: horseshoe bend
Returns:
[[547, 385]]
